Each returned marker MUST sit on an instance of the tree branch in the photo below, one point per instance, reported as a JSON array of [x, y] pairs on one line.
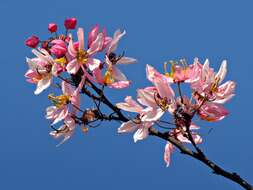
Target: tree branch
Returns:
[[201, 157]]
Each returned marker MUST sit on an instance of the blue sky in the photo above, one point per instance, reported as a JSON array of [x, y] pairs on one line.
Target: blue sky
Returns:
[[156, 31]]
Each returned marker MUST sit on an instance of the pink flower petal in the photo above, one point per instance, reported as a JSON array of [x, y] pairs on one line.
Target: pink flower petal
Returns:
[[222, 71], [127, 60], [97, 45], [42, 85], [127, 127], [117, 74], [129, 105], [67, 88], [80, 36], [119, 85], [141, 133], [169, 148], [114, 43], [73, 66]]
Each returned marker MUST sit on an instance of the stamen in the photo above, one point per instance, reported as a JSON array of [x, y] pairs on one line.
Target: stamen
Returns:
[[214, 86], [59, 101], [62, 61], [82, 57], [165, 69], [163, 103], [171, 74]]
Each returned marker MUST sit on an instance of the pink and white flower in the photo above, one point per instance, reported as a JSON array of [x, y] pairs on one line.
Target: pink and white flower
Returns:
[[66, 130], [113, 75], [144, 120], [81, 57], [165, 94], [208, 84], [68, 102], [41, 70]]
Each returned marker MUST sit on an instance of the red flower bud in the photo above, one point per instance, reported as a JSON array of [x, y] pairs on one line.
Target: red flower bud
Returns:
[[44, 44], [32, 41], [52, 27], [70, 23]]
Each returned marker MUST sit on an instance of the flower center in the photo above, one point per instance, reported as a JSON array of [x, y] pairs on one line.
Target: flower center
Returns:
[[163, 103], [59, 101], [82, 57]]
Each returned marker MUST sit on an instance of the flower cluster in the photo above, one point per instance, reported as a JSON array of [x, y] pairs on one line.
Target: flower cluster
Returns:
[[207, 98], [62, 54], [79, 67]]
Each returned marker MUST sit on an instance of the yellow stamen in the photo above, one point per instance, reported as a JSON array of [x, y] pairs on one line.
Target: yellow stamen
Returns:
[[164, 104], [82, 57], [214, 86], [165, 69], [172, 69], [59, 101], [108, 78], [62, 61]]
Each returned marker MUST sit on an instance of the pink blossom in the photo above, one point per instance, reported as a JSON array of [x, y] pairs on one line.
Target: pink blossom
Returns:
[[144, 120], [208, 84], [81, 56], [113, 74], [66, 130], [212, 112], [41, 70], [52, 27], [32, 41], [68, 102], [165, 94], [59, 48]]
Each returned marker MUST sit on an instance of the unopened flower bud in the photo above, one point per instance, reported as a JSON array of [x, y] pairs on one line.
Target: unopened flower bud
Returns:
[[70, 23], [32, 41], [52, 27]]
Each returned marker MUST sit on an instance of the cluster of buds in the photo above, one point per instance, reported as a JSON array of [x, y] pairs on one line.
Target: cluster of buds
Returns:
[[61, 55]]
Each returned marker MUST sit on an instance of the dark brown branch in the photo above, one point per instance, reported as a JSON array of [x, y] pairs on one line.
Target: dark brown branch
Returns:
[[201, 157]]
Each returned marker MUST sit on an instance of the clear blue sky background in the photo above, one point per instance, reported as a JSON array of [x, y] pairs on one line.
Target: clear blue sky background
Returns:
[[156, 31]]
